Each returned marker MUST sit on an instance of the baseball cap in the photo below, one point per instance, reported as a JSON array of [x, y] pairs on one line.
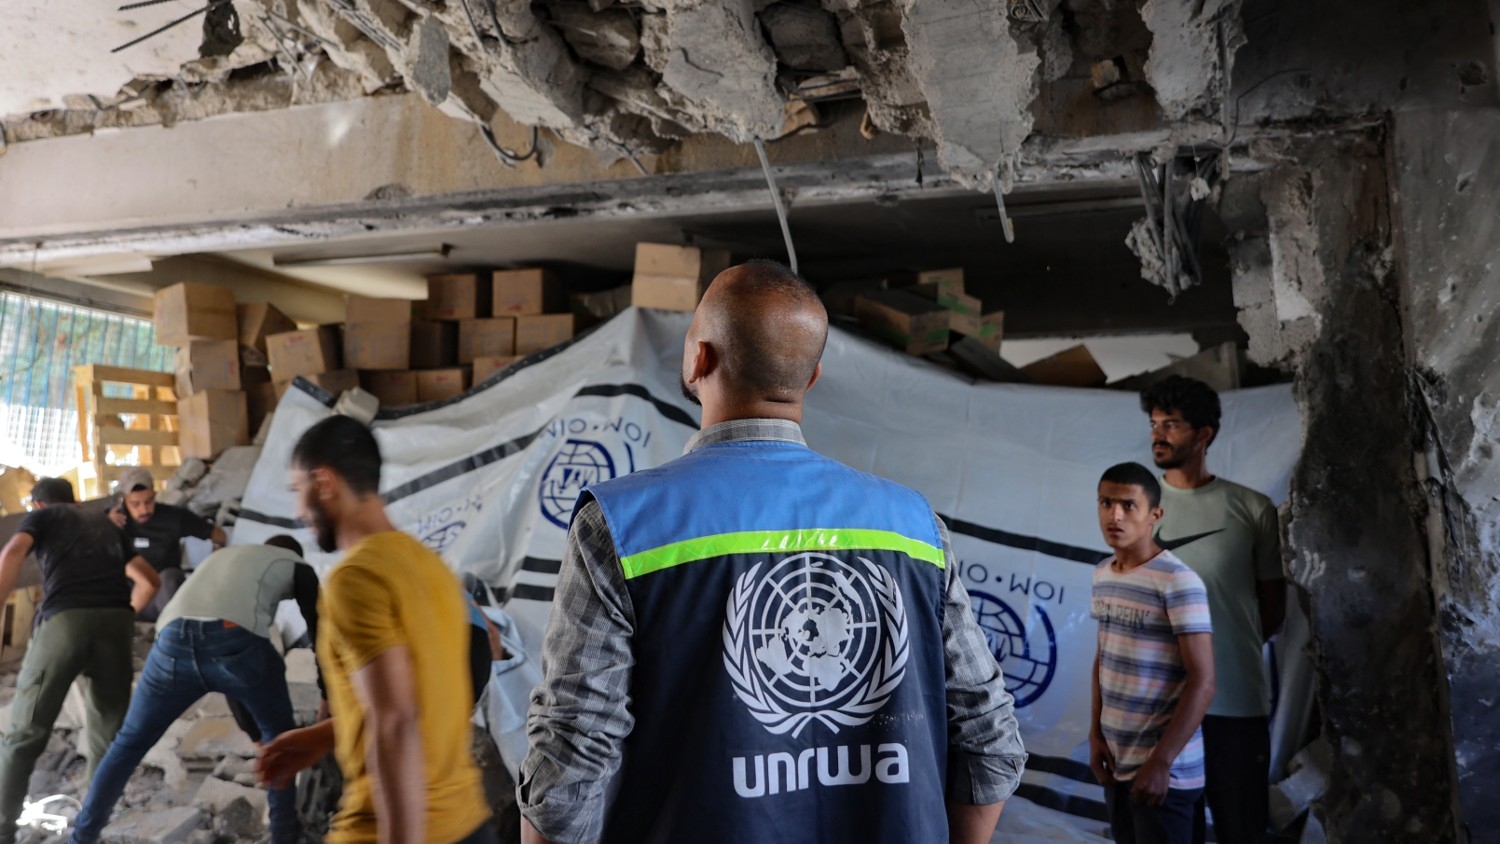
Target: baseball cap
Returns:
[[136, 477]]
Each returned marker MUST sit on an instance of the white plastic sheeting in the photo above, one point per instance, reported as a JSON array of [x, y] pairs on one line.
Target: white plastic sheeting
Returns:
[[489, 479]]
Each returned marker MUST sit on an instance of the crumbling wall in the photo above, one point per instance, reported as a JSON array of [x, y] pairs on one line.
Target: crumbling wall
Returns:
[[1312, 264], [1448, 213]]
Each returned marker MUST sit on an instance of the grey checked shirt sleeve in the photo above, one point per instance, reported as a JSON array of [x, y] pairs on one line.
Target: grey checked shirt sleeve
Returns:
[[985, 754], [580, 713]]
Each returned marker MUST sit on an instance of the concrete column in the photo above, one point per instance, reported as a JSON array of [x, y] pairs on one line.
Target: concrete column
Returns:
[[1313, 277], [1448, 217]]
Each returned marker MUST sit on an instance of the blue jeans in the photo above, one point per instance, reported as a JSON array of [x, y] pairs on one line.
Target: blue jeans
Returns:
[[189, 660]]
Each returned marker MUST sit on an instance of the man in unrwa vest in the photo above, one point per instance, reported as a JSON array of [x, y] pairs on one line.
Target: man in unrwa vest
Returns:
[[756, 643]]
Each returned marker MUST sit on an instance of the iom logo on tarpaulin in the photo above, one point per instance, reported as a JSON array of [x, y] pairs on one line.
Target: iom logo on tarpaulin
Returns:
[[577, 465], [589, 451], [1027, 656]]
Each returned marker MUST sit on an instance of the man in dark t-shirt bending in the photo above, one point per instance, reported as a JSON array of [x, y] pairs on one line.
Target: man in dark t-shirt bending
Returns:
[[91, 588], [155, 532]]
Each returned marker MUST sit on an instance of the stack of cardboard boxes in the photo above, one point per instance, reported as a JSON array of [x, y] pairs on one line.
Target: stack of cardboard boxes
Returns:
[[201, 322], [471, 326], [673, 278], [917, 317]]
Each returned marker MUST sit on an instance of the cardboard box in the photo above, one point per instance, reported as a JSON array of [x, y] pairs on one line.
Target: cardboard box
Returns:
[[207, 365], [306, 352], [210, 421], [673, 278], [478, 338], [258, 321], [991, 330], [260, 402], [1071, 367], [542, 331], [487, 366], [594, 308], [912, 323], [441, 384], [394, 389], [951, 280], [434, 344], [363, 309], [191, 311], [519, 292], [335, 382], [963, 309], [458, 296], [377, 345]]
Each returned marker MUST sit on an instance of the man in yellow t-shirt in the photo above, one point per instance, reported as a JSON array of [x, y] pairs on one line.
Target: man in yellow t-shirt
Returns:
[[394, 646]]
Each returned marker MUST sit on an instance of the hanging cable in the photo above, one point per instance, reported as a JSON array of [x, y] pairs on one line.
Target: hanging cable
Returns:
[[1005, 224], [786, 232]]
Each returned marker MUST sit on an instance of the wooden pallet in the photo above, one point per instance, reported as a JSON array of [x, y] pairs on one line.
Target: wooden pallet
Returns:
[[110, 426]]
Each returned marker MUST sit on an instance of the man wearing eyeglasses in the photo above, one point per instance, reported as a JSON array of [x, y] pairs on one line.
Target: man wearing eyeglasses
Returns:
[[1230, 536]]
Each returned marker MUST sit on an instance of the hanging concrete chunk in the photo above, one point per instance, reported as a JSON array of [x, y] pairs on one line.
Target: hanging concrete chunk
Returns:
[[608, 38], [804, 37]]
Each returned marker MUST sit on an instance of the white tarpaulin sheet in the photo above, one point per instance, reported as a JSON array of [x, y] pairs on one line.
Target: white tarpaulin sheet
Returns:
[[489, 479]]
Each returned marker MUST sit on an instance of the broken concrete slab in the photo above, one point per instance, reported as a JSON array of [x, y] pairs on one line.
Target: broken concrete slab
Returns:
[[805, 37], [720, 64], [216, 795], [214, 738], [1191, 44], [979, 81], [169, 826], [239, 821]]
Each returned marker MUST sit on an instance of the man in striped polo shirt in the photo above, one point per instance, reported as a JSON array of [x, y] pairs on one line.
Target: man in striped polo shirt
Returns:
[[1153, 672]]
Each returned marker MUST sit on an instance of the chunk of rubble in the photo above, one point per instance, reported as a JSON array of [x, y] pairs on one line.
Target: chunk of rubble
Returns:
[[168, 826], [359, 405]]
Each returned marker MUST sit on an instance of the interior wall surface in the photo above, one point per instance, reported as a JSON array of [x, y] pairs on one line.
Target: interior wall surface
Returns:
[[1447, 165], [1313, 275]]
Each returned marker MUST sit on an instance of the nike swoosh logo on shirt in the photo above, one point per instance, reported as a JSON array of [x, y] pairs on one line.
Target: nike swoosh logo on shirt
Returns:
[[1174, 544]]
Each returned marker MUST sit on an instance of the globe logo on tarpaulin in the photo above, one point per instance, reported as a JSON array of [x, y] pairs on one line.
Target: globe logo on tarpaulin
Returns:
[[1028, 660], [578, 464]]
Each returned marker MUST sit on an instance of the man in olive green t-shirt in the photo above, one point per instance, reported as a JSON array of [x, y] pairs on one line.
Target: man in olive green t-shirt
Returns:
[[1230, 536]]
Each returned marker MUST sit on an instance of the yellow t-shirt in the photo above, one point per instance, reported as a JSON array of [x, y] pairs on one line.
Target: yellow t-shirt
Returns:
[[390, 590]]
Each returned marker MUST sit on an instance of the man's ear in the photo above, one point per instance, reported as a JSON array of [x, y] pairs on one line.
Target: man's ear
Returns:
[[817, 373], [325, 485], [705, 361], [1156, 514]]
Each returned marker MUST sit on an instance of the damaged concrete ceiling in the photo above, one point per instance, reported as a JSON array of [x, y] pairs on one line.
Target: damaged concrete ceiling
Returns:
[[627, 79]]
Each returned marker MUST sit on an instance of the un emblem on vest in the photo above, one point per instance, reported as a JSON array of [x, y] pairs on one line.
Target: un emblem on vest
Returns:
[[815, 638]]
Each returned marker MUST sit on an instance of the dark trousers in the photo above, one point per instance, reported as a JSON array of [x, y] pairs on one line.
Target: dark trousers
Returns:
[[90, 643], [485, 834], [1136, 823], [190, 659], [171, 581], [1237, 759]]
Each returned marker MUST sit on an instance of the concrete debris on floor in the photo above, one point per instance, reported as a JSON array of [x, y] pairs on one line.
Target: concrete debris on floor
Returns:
[[197, 785]]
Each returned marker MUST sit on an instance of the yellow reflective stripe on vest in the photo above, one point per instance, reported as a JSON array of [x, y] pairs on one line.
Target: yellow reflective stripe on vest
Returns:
[[777, 542]]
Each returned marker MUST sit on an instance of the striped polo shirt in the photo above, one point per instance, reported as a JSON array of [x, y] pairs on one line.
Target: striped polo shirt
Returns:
[[1141, 613]]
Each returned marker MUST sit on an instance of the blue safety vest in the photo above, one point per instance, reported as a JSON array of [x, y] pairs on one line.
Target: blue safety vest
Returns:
[[789, 675]]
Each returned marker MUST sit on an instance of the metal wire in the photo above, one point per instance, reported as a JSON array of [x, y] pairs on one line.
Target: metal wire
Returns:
[[159, 30], [506, 156], [786, 232]]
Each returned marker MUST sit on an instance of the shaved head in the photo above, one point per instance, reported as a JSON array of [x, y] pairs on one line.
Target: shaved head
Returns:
[[763, 328]]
